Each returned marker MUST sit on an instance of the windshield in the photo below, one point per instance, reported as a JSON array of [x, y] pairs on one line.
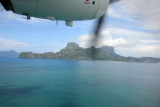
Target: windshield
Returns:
[[68, 53]]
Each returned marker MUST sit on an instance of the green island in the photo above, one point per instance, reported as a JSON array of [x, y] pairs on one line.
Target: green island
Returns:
[[74, 52]]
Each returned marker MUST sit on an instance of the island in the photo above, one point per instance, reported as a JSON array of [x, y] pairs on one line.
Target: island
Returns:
[[74, 52], [10, 53]]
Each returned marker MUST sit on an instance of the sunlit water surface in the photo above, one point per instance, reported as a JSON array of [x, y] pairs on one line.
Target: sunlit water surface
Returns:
[[72, 83]]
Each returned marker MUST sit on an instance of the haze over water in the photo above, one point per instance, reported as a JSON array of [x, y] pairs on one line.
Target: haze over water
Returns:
[[75, 83]]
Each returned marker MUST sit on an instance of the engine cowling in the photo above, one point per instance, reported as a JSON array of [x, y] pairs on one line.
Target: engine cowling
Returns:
[[58, 9]]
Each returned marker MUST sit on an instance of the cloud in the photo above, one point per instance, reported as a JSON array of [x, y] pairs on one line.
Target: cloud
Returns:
[[120, 37], [105, 39], [145, 13], [139, 28], [131, 34], [113, 12], [140, 51], [126, 42], [11, 44], [7, 16]]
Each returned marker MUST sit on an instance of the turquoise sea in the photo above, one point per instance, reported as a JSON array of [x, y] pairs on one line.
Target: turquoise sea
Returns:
[[74, 83]]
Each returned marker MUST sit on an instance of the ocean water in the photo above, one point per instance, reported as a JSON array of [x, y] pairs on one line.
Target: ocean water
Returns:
[[73, 83]]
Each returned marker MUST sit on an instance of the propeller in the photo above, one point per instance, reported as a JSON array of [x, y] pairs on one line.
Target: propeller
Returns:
[[98, 27], [96, 35]]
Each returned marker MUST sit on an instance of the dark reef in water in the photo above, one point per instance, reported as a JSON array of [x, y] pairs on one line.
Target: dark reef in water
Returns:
[[73, 51], [16, 92]]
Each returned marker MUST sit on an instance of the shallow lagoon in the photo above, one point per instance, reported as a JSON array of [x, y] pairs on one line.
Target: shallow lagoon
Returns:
[[73, 83]]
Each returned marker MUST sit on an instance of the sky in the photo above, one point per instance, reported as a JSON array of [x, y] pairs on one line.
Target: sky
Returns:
[[132, 27]]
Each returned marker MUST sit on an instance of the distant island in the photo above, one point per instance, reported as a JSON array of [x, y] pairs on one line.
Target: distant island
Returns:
[[10, 53], [73, 51]]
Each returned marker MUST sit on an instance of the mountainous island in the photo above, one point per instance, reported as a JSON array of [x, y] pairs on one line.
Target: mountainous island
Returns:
[[10, 53], [73, 51]]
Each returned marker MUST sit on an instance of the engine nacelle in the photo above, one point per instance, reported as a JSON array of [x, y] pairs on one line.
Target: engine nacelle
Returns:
[[58, 9]]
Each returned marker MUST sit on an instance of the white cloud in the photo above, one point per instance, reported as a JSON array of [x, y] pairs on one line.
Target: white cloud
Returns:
[[11, 44], [145, 13], [113, 12], [141, 51], [121, 37], [131, 34], [150, 41], [7, 16], [126, 42], [105, 39]]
